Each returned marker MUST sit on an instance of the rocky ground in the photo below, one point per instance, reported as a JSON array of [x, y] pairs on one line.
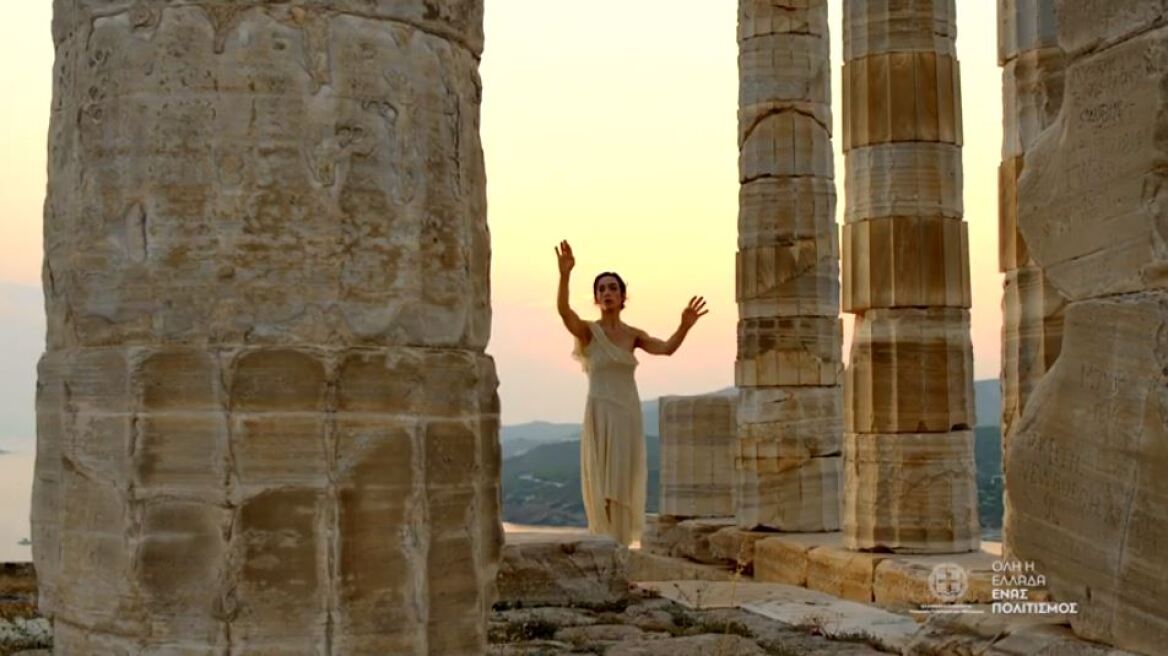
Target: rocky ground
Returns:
[[649, 626]]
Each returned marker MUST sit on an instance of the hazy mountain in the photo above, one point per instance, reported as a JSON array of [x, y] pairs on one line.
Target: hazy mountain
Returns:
[[518, 439], [541, 466], [987, 397]]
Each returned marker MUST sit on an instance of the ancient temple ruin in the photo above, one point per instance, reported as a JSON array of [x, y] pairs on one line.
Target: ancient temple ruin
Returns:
[[267, 422]]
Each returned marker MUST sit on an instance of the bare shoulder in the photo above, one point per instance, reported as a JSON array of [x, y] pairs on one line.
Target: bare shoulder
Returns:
[[636, 331]]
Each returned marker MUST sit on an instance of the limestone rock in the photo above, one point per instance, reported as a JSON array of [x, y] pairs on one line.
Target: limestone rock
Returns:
[[901, 96], [843, 573], [903, 179], [732, 544], [1090, 204], [684, 538], [698, 435], [699, 645], [784, 351], [781, 560], [789, 495], [646, 566], [910, 493], [563, 570], [911, 372], [905, 261], [1084, 471]]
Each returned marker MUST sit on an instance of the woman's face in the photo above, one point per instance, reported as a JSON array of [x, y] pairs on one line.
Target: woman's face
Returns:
[[608, 293]]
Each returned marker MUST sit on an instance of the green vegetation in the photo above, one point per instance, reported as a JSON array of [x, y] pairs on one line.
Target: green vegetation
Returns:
[[541, 485]]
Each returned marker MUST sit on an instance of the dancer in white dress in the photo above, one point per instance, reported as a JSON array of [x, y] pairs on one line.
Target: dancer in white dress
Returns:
[[612, 445]]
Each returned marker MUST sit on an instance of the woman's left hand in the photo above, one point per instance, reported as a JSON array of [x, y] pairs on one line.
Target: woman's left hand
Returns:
[[695, 309]]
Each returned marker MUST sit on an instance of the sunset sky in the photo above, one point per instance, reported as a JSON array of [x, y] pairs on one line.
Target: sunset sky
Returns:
[[611, 124]]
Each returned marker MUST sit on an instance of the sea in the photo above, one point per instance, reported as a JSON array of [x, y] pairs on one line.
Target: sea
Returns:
[[16, 466]]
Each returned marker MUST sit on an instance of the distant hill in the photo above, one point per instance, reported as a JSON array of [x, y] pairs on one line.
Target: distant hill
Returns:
[[542, 486], [987, 397], [518, 439], [541, 466]]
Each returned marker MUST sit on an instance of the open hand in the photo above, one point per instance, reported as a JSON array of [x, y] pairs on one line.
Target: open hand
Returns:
[[695, 309], [565, 257]]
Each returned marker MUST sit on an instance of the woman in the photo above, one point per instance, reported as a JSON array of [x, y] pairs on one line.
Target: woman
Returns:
[[612, 444]]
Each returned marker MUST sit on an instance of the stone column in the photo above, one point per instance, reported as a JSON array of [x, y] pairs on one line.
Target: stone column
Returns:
[[1032, 308], [698, 436], [788, 367], [909, 482], [1087, 464], [266, 421]]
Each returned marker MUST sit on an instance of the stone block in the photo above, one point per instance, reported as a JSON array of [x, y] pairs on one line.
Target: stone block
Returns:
[[789, 278], [880, 26], [789, 495], [1092, 26], [782, 559], [910, 493], [735, 545], [784, 68], [911, 371], [698, 436], [1032, 333], [903, 179], [563, 571], [685, 538], [905, 261], [1089, 204], [784, 144], [904, 584], [788, 351], [1084, 471], [762, 18], [901, 96], [1032, 94], [843, 573], [779, 425], [786, 211], [1024, 26], [646, 566]]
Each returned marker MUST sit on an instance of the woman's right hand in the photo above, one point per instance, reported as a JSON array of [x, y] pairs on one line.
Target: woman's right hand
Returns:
[[566, 260]]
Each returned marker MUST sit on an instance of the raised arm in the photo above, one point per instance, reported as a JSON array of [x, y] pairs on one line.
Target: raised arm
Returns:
[[689, 317], [571, 320]]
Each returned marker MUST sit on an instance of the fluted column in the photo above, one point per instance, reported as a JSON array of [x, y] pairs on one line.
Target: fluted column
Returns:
[[788, 367], [266, 421], [909, 477]]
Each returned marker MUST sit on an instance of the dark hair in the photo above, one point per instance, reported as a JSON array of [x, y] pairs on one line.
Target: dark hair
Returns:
[[619, 281]]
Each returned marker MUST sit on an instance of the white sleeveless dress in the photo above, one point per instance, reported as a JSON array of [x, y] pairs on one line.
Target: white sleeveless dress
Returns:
[[613, 472]]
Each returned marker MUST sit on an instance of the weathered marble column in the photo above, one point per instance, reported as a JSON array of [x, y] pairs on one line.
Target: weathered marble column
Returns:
[[698, 438], [909, 476], [266, 422], [1032, 309], [1087, 464], [788, 367]]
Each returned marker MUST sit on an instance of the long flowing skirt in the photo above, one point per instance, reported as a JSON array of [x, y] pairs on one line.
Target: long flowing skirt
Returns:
[[613, 473]]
